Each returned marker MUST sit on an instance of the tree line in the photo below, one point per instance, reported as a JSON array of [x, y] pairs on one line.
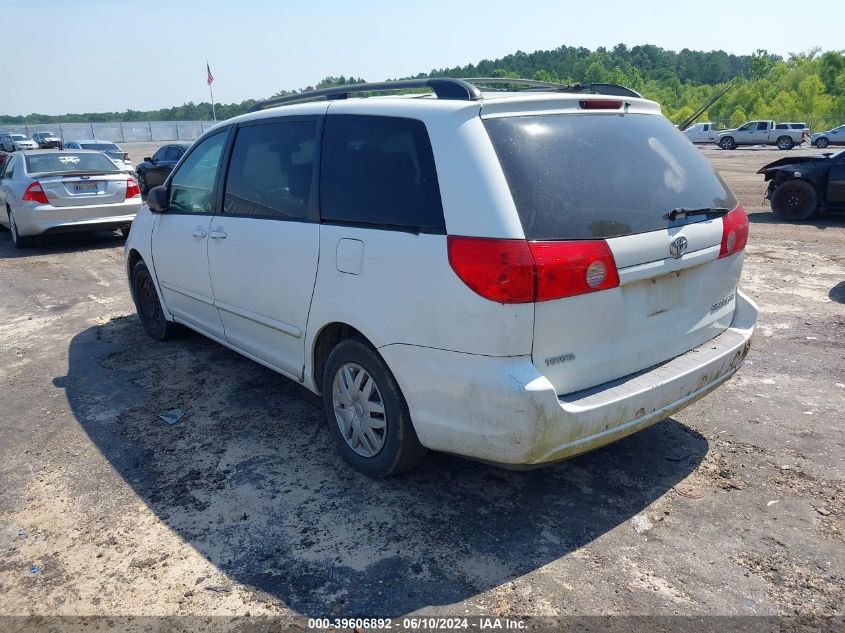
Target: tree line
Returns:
[[807, 86]]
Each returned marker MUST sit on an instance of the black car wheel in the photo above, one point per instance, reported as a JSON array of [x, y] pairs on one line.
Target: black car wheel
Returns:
[[148, 306], [795, 200], [822, 142], [142, 183]]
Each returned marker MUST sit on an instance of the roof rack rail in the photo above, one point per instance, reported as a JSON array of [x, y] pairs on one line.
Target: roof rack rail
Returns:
[[443, 87], [536, 84]]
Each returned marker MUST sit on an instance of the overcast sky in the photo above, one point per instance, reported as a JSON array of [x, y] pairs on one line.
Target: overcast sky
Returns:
[[95, 56]]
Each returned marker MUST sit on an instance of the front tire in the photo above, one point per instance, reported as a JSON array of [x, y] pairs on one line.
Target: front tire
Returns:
[[822, 142], [148, 305], [727, 142], [366, 412], [20, 241], [795, 200], [785, 143]]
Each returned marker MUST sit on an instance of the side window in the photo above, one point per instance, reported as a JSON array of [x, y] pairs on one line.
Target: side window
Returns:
[[160, 154], [781, 126], [763, 125], [192, 185], [706, 127], [9, 169], [379, 170], [172, 154], [272, 170]]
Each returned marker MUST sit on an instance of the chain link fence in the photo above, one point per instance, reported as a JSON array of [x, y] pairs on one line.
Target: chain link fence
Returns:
[[120, 132]]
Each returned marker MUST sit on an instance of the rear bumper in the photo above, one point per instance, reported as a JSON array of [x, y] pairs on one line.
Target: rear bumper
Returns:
[[503, 410], [38, 220]]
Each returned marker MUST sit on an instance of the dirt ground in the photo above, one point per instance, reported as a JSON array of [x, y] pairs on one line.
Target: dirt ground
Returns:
[[735, 506]]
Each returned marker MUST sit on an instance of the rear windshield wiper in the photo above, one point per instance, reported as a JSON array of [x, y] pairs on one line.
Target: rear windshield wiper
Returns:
[[681, 212]]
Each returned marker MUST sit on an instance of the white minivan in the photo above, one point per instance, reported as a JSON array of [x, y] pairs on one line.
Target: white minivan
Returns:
[[516, 276]]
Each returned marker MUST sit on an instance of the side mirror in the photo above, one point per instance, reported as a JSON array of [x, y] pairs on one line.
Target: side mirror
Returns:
[[147, 159], [158, 200]]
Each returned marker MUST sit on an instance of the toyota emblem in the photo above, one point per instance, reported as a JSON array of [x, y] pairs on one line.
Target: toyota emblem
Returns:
[[678, 246]]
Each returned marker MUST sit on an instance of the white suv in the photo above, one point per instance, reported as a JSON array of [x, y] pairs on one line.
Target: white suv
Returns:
[[517, 276]]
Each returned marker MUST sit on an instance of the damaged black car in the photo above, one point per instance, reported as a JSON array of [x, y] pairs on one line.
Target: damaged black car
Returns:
[[804, 186]]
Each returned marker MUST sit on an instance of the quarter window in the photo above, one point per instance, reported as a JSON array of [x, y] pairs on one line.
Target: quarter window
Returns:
[[379, 171], [192, 184], [272, 170], [762, 126]]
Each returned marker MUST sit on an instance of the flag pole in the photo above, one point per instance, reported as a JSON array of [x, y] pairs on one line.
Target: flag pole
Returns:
[[211, 90]]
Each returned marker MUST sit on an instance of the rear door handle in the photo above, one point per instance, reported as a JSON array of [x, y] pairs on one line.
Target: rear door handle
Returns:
[[199, 233], [218, 234]]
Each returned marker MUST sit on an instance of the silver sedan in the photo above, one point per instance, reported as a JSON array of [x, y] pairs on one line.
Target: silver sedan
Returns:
[[15, 142], [45, 191]]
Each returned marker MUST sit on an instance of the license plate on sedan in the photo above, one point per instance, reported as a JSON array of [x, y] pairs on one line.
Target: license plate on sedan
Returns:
[[85, 187]]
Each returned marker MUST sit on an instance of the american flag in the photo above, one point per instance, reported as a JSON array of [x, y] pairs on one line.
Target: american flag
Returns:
[[210, 76]]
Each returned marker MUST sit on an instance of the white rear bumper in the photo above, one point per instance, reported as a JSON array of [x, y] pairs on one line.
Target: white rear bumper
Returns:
[[503, 410]]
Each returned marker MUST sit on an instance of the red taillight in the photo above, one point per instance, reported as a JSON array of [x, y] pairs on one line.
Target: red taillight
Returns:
[[35, 193], [565, 269], [499, 270], [600, 104], [734, 232], [132, 188], [518, 271]]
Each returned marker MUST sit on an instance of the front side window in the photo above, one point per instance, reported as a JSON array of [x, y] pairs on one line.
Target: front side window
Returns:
[[172, 154], [272, 170], [748, 126], [192, 185], [160, 154], [379, 170]]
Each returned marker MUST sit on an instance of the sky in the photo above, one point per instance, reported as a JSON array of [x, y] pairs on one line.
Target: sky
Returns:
[[102, 56]]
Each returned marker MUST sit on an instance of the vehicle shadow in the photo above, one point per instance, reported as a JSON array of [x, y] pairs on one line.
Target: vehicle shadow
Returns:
[[251, 480], [837, 293], [59, 243], [827, 221]]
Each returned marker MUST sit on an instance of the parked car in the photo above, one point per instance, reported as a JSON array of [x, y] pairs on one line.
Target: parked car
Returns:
[[112, 150], [47, 140], [701, 133], [517, 277], [836, 136], [804, 186], [154, 170], [43, 191], [15, 142], [762, 133]]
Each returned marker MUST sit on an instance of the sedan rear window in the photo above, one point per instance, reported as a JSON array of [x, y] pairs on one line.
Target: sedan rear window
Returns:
[[599, 176], [100, 147], [66, 161]]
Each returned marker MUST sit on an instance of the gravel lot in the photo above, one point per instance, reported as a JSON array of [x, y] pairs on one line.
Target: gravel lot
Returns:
[[735, 506]]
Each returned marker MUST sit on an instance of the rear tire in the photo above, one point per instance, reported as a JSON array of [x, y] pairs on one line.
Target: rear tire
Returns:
[[822, 142], [785, 143], [366, 412], [20, 241], [795, 200], [142, 183], [148, 305], [727, 142]]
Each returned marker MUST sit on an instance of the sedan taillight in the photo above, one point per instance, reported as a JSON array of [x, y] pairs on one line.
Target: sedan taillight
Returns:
[[132, 188], [35, 193]]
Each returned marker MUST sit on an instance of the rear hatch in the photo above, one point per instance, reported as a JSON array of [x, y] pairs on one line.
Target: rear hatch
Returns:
[[613, 177]]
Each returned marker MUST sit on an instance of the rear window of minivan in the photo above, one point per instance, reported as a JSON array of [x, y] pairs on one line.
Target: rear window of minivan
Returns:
[[576, 176]]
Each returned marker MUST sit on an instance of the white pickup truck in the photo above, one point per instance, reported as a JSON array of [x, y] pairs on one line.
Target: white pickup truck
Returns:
[[784, 135], [702, 132]]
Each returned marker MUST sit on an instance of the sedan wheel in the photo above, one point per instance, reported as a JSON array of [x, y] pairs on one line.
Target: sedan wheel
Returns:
[[18, 240], [822, 142], [795, 200]]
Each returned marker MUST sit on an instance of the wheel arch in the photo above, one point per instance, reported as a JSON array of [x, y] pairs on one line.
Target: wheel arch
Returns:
[[326, 339]]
